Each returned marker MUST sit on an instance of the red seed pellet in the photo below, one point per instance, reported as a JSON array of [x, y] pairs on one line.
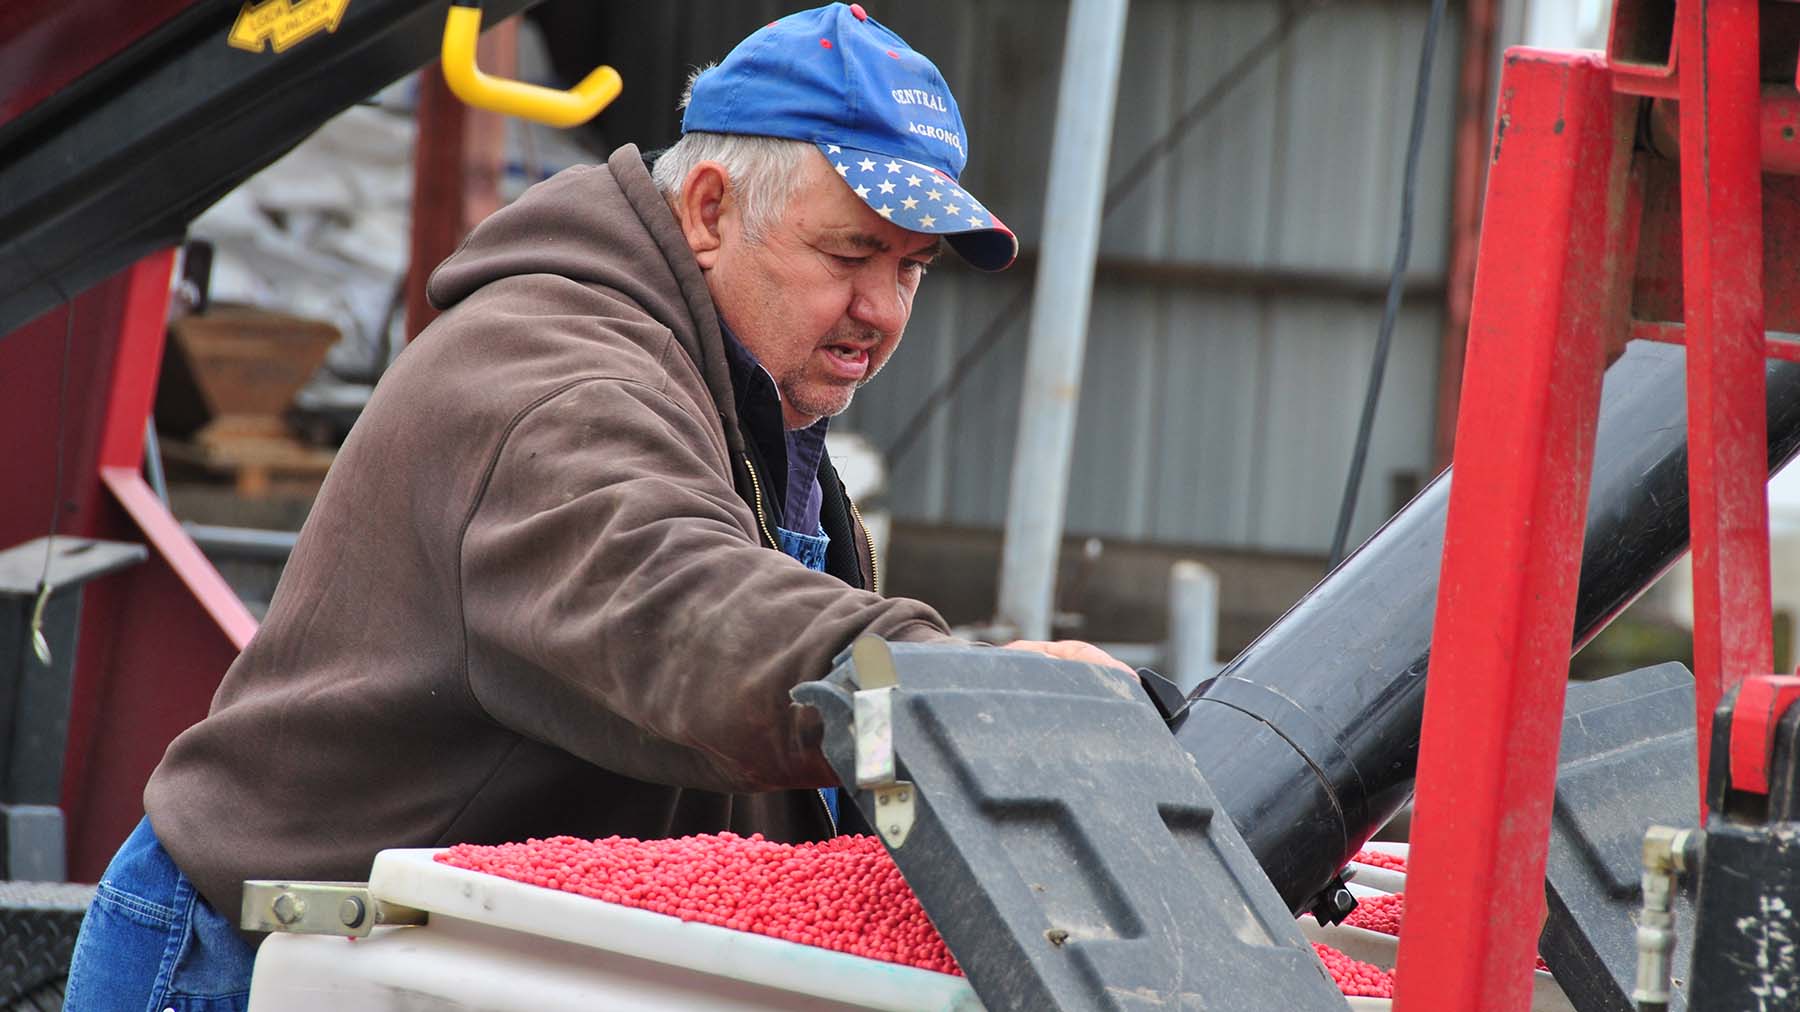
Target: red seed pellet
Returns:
[[1355, 977], [1384, 913], [1380, 859], [843, 894], [1378, 913]]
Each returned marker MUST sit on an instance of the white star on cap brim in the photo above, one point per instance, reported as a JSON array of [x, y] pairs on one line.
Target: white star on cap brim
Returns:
[[967, 226]]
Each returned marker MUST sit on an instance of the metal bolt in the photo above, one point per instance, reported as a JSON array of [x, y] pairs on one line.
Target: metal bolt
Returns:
[[289, 908], [904, 795], [1343, 901], [351, 912], [881, 799], [1057, 936]]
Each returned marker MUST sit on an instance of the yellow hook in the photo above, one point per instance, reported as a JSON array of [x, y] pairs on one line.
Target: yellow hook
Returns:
[[516, 98]]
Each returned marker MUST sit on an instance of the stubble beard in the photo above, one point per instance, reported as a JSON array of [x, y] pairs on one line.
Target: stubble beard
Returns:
[[795, 393]]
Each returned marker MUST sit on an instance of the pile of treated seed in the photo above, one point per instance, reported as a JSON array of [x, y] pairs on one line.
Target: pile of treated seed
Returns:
[[1384, 913], [1381, 859], [844, 894], [1355, 977], [1378, 913]]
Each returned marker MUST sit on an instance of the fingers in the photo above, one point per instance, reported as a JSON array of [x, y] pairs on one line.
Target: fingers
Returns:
[[1072, 650]]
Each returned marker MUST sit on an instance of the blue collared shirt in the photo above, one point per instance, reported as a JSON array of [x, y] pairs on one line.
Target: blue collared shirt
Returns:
[[793, 453]]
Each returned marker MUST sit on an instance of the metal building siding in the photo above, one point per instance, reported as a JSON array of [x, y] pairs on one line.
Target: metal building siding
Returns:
[[1206, 415], [1222, 188], [1347, 104]]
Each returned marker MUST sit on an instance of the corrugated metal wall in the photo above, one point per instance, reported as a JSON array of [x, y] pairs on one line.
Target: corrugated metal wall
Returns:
[[1236, 311]]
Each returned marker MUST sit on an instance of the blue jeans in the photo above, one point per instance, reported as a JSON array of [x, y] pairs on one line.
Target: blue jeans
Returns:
[[150, 943]]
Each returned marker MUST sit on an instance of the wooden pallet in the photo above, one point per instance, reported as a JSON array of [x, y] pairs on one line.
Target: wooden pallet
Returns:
[[257, 453]]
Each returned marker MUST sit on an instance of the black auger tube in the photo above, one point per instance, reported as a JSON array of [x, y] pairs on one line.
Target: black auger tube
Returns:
[[1310, 737]]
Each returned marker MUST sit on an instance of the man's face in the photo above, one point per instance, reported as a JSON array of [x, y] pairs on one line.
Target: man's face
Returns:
[[823, 299]]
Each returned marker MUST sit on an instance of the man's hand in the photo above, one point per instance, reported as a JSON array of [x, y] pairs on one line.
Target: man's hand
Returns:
[[1072, 650]]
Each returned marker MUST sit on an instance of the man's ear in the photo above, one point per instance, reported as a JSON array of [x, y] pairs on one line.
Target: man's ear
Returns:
[[700, 207]]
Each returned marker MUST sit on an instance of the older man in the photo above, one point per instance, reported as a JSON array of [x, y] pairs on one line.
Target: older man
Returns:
[[537, 595]]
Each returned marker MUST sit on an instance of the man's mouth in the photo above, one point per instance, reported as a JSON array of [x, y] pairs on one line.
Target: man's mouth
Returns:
[[848, 360]]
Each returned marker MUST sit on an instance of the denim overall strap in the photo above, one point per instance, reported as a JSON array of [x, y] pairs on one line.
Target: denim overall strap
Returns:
[[809, 550]]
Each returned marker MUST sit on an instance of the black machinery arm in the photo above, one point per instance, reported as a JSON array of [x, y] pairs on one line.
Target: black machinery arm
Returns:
[[1310, 737]]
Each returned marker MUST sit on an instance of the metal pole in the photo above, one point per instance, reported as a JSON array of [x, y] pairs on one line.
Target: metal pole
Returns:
[[243, 542], [153, 462], [1193, 624], [1092, 50]]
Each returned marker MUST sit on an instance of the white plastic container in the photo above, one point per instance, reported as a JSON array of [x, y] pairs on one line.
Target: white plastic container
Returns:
[[1383, 950], [504, 946], [498, 945]]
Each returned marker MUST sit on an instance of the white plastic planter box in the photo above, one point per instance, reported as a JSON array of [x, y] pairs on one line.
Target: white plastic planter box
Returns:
[[499, 945], [1383, 950]]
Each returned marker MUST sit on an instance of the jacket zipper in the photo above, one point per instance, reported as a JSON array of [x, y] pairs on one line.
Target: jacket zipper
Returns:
[[869, 540], [763, 522]]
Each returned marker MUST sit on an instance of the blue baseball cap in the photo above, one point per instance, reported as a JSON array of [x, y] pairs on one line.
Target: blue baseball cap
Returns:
[[878, 110]]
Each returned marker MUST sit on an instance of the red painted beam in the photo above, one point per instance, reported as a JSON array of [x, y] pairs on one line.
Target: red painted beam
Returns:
[[156, 638], [1550, 293], [1778, 124], [1722, 246], [47, 45], [1674, 333]]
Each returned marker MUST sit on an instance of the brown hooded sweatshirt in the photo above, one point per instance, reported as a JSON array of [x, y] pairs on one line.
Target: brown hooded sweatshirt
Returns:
[[534, 596]]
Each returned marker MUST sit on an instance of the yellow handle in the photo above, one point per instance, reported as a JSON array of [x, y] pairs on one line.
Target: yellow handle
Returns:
[[516, 98]]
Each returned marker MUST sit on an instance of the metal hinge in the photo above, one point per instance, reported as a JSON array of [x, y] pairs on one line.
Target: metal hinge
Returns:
[[876, 770], [320, 908]]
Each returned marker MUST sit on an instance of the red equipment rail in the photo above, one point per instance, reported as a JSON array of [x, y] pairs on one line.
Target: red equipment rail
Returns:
[[1590, 239]]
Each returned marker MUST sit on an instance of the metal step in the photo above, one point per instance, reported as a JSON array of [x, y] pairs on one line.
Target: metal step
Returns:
[[38, 924]]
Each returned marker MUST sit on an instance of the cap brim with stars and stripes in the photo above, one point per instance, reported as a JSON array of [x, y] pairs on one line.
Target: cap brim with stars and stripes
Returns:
[[922, 199]]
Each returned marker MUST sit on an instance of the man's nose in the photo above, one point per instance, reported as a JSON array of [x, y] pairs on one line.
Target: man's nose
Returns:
[[879, 306]]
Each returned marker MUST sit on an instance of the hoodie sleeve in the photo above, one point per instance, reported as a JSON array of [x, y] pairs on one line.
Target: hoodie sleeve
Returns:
[[618, 604]]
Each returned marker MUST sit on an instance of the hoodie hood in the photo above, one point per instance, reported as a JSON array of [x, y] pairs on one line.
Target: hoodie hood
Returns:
[[604, 226]]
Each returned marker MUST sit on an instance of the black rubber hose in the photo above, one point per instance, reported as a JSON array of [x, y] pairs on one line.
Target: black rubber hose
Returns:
[[1310, 737]]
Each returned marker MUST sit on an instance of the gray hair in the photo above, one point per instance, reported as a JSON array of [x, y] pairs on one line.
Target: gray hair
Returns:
[[761, 170]]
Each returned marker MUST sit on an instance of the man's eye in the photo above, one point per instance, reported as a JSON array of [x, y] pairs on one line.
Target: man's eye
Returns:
[[850, 261], [917, 267]]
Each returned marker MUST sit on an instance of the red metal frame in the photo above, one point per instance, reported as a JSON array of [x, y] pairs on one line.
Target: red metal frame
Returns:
[[1584, 243], [1506, 602], [155, 639], [47, 45], [1721, 222]]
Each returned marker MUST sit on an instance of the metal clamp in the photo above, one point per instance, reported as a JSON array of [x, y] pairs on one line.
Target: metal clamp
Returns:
[[876, 769], [320, 908]]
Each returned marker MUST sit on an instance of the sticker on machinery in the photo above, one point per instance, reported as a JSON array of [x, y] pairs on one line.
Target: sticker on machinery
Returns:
[[284, 23]]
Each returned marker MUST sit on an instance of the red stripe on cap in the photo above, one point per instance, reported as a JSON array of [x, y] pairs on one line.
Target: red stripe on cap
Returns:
[[858, 12], [826, 43]]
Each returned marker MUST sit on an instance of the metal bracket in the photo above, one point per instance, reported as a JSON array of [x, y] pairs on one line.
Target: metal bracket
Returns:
[[1666, 857], [876, 770], [320, 908]]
